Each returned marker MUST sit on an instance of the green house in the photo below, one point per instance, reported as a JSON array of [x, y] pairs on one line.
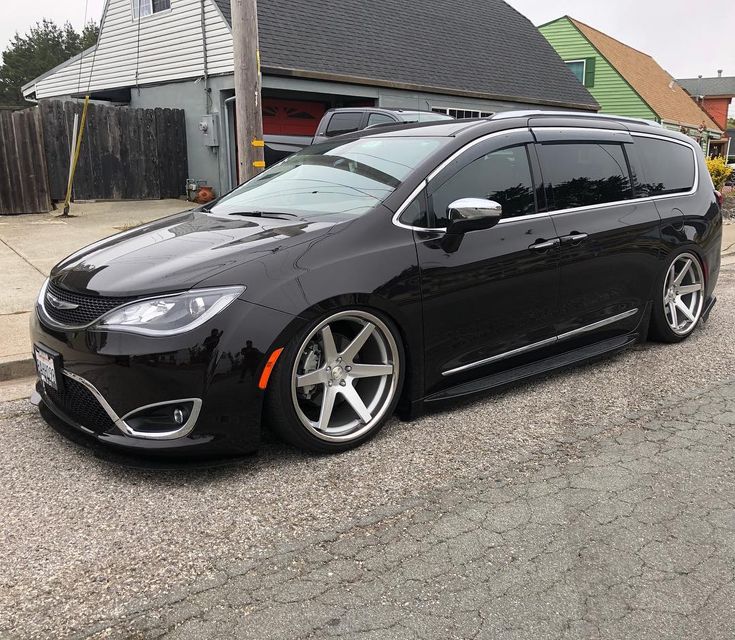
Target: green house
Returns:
[[625, 81]]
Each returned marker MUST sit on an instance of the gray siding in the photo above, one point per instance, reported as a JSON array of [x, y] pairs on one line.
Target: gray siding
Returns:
[[212, 163]]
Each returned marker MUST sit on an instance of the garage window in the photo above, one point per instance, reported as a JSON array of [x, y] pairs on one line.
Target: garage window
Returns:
[[584, 174]]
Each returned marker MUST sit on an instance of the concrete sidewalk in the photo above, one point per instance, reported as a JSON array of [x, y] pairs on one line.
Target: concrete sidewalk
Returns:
[[30, 245]]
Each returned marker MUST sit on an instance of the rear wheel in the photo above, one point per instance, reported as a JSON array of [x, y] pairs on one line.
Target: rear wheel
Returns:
[[337, 382], [680, 299]]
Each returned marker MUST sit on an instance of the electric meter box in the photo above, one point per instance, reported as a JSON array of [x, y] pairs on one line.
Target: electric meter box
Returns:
[[208, 127]]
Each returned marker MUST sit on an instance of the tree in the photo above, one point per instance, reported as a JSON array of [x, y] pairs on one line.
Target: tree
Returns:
[[45, 46]]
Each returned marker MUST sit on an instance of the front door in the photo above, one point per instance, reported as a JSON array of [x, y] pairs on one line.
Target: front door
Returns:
[[488, 293], [609, 239]]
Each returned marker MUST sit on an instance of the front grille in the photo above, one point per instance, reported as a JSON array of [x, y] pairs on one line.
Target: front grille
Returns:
[[89, 308], [77, 402]]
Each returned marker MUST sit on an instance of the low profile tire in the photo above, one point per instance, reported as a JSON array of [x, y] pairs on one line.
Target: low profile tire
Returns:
[[337, 382], [679, 298]]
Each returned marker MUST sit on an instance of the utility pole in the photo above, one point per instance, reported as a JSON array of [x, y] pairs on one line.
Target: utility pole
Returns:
[[248, 107]]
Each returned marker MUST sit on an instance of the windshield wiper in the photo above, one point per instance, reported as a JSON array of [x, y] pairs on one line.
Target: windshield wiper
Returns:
[[265, 214]]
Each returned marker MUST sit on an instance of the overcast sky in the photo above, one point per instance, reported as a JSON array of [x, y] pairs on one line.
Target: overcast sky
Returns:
[[686, 37]]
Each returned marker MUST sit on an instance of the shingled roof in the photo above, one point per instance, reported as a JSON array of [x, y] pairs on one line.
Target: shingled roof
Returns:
[[652, 83], [478, 48], [719, 86]]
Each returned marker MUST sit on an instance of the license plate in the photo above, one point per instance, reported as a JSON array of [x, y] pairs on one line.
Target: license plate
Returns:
[[48, 366]]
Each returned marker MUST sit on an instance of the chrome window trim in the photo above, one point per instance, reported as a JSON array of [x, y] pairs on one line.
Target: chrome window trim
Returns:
[[456, 154], [425, 182], [125, 428], [543, 343]]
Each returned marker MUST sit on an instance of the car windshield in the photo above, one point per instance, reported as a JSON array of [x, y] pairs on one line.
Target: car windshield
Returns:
[[345, 177]]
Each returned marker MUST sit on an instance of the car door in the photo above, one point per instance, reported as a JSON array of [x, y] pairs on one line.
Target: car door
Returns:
[[491, 293], [609, 238]]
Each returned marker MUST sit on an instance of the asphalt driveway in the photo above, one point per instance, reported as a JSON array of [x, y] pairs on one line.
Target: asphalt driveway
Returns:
[[599, 502]]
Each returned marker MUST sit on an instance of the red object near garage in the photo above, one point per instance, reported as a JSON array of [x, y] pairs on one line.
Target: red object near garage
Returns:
[[291, 117]]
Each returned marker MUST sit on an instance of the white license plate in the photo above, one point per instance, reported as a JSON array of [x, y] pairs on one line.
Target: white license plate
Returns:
[[46, 367]]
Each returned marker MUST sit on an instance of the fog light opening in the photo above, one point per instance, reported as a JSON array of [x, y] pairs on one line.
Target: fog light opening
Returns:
[[160, 418]]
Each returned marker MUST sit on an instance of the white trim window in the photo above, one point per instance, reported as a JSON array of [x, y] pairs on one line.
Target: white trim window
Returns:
[[143, 8], [461, 114], [578, 68]]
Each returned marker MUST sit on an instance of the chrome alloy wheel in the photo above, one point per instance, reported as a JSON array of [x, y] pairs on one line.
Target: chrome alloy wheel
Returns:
[[345, 376], [683, 293]]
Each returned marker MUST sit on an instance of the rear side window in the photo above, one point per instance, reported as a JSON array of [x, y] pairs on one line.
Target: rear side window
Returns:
[[344, 123], [583, 174], [667, 167]]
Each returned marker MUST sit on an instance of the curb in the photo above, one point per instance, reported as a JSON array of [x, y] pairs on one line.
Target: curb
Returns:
[[15, 369]]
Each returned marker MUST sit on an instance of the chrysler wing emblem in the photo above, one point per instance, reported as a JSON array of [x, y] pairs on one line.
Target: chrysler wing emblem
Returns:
[[58, 303]]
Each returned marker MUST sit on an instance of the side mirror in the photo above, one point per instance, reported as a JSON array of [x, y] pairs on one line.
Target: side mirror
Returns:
[[472, 214]]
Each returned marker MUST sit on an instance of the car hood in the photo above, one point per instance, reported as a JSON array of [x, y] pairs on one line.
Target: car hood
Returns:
[[178, 252]]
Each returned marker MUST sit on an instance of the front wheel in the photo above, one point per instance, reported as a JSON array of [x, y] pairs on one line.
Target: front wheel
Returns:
[[679, 299], [337, 381]]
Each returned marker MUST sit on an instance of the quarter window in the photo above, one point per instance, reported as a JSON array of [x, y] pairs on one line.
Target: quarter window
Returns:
[[584, 174], [377, 119], [667, 167], [503, 176], [344, 123]]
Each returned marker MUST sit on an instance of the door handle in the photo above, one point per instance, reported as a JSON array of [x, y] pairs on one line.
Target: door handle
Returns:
[[544, 245], [574, 238]]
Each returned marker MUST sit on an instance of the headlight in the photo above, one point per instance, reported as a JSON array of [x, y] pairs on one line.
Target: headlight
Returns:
[[170, 315]]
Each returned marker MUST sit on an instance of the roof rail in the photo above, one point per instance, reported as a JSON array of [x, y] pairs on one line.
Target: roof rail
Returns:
[[529, 113]]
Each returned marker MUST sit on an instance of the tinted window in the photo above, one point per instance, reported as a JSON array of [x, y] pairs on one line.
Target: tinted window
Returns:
[[503, 176], [332, 177], [378, 119], [667, 167], [344, 123], [583, 174], [415, 213]]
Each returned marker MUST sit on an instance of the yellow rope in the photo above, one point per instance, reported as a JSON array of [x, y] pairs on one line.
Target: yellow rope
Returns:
[[75, 157]]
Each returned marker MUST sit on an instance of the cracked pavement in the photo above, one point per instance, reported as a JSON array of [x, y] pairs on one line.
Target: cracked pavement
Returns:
[[627, 533], [594, 503]]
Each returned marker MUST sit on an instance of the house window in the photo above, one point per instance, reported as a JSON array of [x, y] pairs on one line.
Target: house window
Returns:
[[461, 114], [143, 8], [577, 67]]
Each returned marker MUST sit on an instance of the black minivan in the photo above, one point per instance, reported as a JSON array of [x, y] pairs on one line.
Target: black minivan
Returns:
[[388, 270]]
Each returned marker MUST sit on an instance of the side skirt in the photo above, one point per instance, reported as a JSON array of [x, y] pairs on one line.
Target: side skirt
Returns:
[[570, 358]]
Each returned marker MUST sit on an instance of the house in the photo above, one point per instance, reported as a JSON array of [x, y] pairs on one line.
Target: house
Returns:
[[715, 96], [468, 60], [627, 82]]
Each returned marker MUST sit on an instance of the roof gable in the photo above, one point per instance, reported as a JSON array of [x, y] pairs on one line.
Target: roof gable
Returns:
[[655, 85], [478, 47]]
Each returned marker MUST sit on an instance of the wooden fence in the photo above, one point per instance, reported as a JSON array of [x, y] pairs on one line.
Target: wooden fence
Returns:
[[24, 184], [126, 153]]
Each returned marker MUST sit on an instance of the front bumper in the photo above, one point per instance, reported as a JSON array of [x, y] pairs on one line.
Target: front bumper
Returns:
[[107, 377]]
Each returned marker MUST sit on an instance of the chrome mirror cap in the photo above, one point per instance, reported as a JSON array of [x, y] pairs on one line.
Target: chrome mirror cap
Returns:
[[473, 214]]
